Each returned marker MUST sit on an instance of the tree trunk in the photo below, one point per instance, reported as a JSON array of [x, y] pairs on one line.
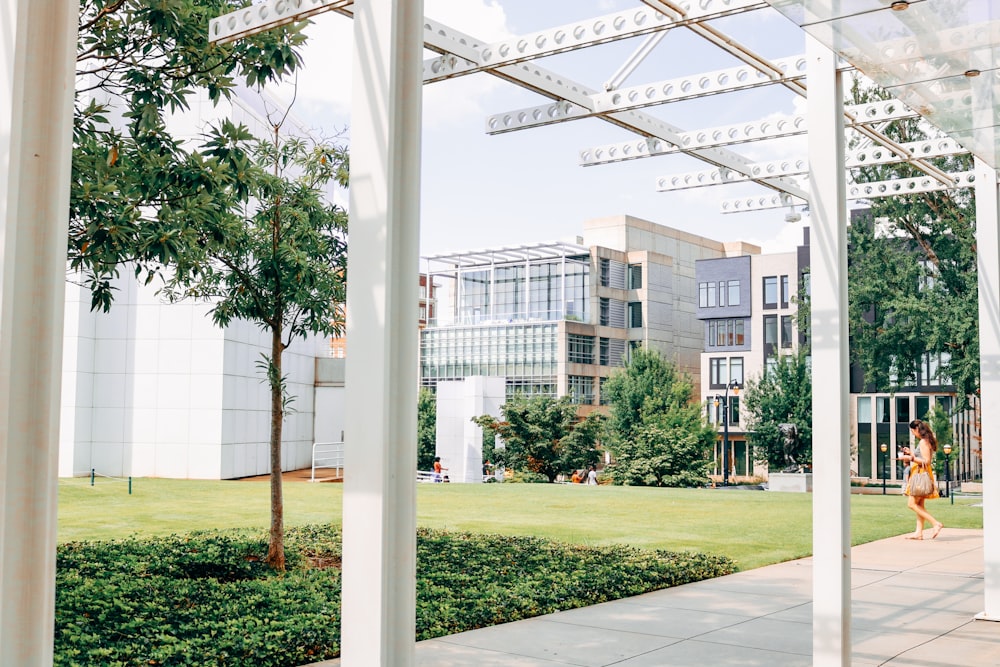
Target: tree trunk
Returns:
[[276, 544]]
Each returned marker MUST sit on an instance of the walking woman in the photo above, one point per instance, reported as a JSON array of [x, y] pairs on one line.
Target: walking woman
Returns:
[[921, 460]]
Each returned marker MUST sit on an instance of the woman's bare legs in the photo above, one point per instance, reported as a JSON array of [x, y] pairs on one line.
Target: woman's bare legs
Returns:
[[917, 505]]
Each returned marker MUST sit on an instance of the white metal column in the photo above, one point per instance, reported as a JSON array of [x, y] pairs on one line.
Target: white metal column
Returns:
[[828, 339], [379, 580], [988, 251], [37, 58]]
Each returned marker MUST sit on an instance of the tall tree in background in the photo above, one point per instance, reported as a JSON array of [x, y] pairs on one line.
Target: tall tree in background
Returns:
[[656, 430], [139, 194], [543, 434], [781, 395], [913, 290]]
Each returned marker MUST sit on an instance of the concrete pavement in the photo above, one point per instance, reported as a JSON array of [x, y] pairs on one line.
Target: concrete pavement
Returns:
[[913, 605]]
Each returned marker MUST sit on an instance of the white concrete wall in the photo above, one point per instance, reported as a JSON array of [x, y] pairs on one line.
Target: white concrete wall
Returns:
[[459, 440], [157, 390]]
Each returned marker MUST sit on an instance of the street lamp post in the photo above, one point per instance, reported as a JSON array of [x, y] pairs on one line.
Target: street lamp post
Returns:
[[884, 447], [947, 471], [724, 400]]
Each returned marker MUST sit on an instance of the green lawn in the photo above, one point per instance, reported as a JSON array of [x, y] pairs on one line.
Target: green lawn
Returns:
[[753, 527]]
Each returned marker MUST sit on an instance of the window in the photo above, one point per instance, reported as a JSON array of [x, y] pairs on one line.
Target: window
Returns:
[[605, 271], [771, 292], [580, 349], [581, 389], [807, 283], [706, 295], [635, 314], [786, 331], [734, 293], [605, 318], [605, 351], [771, 330], [718, 373], [722, 293], [734, 410], [603, 398], [736, 369], [635, 276], [784, 291], [903, 409], [723, 333]]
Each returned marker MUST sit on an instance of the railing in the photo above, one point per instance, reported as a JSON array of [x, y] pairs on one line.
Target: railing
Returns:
[[428, 476], [329, 455], [93, 475]]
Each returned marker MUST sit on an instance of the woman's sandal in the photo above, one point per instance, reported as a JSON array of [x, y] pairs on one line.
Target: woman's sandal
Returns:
[[937, 530]]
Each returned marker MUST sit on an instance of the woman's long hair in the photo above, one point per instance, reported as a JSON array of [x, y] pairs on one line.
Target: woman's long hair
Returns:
[[925, 433]]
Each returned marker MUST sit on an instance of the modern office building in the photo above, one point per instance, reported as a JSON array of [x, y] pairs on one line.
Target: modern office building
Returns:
[[748, 309], [558, 318]]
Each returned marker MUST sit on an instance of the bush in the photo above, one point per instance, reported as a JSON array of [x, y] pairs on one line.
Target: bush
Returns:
[[209, 599]]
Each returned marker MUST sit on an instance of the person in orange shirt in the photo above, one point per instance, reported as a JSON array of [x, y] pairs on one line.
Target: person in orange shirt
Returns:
[[438, 469]]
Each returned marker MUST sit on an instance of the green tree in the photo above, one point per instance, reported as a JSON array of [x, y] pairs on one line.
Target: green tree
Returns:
[[426, 429], [543, 434], [913, 289], [781, 395], [138, 194], [655, 429], [278, 262]]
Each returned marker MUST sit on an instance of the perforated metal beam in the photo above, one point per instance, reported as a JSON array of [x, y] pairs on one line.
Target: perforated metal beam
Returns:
[[873, 190], [575, 97], [636, 97], [868, 156], [601, 30], [266, 16], [728, 135]]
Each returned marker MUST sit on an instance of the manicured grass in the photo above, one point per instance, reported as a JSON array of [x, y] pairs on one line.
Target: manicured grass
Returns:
[[754, 528]]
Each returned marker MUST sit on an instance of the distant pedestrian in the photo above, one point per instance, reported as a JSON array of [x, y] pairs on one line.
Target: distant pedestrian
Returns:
[[576, 478], [921, 459], [592, 475], [438, 470]]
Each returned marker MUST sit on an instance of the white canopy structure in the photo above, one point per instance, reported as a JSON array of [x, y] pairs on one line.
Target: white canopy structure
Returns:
[[938, 57]]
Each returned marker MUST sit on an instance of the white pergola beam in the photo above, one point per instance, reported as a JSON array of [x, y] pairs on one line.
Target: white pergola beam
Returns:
[[528, 75], [602, 30], [645, 95], [761, 202], [267, 15], [865, 157], [873, 190], [739, 133], [37, 69]]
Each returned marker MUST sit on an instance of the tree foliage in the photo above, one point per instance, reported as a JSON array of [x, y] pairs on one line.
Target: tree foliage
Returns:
[[278, 261], [426, 429], [656, 431], [543, 434], [781, 395], [139, 194], [913, 288], [239, 222]]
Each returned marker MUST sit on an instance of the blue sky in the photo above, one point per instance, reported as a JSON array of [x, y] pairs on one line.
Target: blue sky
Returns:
[[482, 191]]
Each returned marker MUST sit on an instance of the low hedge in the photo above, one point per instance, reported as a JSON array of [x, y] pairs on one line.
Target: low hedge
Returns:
[[208, 598]]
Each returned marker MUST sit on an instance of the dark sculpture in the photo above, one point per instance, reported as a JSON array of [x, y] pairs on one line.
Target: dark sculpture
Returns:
[[790, 447]]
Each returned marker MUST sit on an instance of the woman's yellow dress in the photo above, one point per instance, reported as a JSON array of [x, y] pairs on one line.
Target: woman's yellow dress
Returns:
[[914, 468]]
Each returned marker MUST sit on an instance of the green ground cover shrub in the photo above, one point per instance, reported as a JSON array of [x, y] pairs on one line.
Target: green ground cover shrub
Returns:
[[208, 598]]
